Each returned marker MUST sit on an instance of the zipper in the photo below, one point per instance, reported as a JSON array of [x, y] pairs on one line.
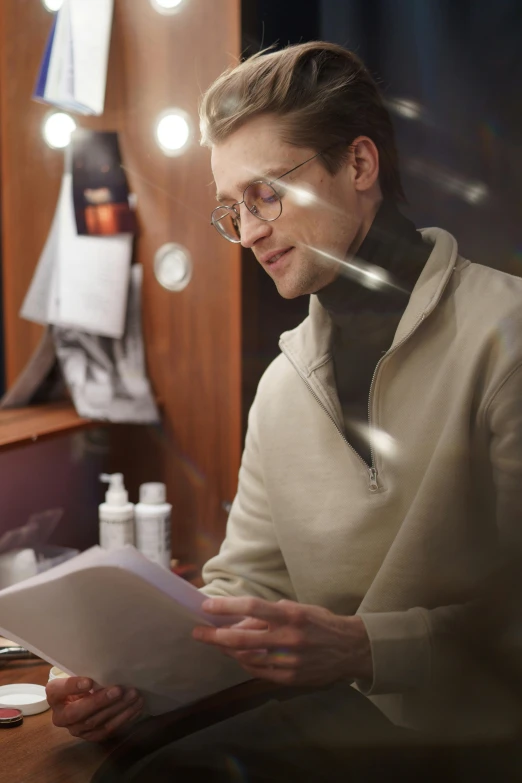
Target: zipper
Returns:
[[370, 469], [374, 484]]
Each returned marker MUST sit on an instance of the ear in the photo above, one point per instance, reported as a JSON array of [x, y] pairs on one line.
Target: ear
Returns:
[[365, 163]]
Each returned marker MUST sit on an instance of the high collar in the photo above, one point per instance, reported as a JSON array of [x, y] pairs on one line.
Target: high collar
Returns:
[[392, 244], [309, 344]]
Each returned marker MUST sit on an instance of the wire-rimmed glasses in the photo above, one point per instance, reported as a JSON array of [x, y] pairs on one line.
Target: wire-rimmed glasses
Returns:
[[260, 198]]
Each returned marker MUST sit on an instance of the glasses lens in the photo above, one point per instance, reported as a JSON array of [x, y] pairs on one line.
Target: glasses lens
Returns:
[[227, 223], [262, 201]]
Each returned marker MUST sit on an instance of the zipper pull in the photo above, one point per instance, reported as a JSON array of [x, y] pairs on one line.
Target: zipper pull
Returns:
[[373, 480]]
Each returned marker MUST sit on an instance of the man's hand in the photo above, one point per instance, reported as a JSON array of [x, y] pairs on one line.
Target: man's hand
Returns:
[[290, 643], [92, 716]]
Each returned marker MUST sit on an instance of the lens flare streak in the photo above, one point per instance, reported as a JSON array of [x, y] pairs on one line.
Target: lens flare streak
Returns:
[[367, 275]]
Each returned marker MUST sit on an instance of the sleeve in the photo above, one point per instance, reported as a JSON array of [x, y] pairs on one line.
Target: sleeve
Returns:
[[414, 648], [250, 561]]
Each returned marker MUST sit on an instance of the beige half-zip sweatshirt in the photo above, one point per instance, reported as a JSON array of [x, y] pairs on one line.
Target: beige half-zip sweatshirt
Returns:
[[407, 541]]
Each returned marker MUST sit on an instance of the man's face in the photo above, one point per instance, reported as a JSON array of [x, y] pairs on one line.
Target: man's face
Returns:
[[320, 212]]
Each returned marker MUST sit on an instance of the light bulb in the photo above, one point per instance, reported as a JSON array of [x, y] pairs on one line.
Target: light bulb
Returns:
[[57, 130], [173, 131], [167, 6], [52, 5], [173, 266]]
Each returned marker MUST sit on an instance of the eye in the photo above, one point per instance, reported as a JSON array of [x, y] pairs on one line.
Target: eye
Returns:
[[269, 199]]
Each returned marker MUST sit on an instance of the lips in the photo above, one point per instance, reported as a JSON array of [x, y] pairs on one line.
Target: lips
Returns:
[[272, 258]]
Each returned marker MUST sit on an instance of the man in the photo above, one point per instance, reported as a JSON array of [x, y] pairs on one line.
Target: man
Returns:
[[380, 486]]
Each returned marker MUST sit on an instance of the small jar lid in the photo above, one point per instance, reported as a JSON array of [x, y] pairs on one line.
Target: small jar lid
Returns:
[[28, 698], [9, 718]]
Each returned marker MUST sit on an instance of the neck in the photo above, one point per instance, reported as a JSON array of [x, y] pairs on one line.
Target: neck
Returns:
[[390, 244], [366, 224]]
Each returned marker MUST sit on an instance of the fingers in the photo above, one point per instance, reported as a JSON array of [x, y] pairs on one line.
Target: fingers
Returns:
[[91, 716], [251, 607], [109, 719], [114, 724], [76, 712], [60, 689], [104, 715], [244, 639]]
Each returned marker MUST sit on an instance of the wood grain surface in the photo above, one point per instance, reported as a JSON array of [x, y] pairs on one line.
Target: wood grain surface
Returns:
[[193, 337], [20, 426], [37, 751]]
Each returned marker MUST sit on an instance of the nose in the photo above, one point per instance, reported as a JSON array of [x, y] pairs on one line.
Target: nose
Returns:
[[252, 229]]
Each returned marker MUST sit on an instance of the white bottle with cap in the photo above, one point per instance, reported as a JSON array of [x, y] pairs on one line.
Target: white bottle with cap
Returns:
[[152, 516], [116, 515]]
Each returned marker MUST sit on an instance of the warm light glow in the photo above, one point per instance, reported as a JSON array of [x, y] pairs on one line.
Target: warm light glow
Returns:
[[167, 6], [57, 130], [404, 107], [52, 5], [173, 132], [301, 196], [474, 192]]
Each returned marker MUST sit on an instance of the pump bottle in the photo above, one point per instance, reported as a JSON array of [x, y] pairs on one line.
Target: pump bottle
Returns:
[[153, 523], [116, 515]]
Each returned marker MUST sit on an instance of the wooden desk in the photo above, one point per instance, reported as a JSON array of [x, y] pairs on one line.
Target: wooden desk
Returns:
[[37, 751]]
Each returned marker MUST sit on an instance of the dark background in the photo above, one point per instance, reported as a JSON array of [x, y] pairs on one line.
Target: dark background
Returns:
[[459, 62]]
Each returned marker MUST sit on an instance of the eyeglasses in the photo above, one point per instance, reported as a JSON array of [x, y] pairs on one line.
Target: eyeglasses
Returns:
[[261, 200]]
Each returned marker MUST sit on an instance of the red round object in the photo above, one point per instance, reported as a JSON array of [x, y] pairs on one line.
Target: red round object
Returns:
[[9, 713], [10, 717]]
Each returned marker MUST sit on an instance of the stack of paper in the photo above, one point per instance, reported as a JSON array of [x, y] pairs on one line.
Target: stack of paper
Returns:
[[73, 72], [118, 618]]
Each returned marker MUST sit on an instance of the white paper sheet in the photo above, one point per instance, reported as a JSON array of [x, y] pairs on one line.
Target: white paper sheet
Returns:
[[91, 22], [93, 274], [118, 618], [80, 282], [55, 82], [40, 303], [75, 75]]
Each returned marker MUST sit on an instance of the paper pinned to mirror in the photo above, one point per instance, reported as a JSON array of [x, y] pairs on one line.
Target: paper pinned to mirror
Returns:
[[107, 379], [73, 72], [88, 294], [82, 277], [81, 281]]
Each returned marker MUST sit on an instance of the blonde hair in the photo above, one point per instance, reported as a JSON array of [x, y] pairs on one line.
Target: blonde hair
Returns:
[[323, 97]]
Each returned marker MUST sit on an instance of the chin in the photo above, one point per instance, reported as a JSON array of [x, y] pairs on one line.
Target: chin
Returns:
[[289, 291], [288, 294]]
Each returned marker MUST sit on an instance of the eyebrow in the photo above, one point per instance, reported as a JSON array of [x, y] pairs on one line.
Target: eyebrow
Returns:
[[269, 175]]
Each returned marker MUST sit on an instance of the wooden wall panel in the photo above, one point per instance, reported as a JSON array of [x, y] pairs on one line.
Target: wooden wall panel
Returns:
[[30, 170], [193, 338]]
